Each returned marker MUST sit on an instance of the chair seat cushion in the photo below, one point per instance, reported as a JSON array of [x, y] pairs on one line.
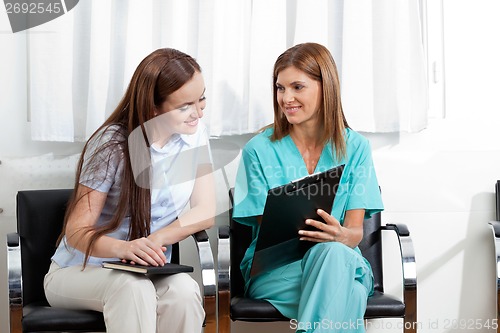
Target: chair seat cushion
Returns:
[[246, 309], [381, 305], [43, 318]]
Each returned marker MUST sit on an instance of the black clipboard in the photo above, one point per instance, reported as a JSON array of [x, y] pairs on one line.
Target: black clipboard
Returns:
[[286, 209]]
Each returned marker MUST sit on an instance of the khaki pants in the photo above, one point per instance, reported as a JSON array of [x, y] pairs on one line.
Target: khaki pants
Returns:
[[130, 302]]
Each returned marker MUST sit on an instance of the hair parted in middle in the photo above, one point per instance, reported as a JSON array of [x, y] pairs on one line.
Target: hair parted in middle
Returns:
[[317, 62]]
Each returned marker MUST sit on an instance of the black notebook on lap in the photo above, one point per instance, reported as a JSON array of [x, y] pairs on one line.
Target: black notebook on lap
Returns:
[[168, 268], [286, 209]]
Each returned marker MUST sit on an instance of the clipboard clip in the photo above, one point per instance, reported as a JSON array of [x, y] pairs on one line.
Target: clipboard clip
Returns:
[[308, 180]]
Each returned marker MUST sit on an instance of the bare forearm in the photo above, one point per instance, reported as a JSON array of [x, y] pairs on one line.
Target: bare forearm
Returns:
[[104, 246], [351, 236], [80, 231], [193, 221]]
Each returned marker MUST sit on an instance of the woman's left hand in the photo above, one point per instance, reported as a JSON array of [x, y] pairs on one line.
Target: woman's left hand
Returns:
[[327, 232], [332, 231]]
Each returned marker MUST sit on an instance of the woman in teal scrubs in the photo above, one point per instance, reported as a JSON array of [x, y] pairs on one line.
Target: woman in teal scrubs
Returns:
[[327, 290]]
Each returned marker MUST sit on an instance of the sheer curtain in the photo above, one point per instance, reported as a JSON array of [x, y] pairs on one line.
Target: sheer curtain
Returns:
[[81, 63], [384, 83]]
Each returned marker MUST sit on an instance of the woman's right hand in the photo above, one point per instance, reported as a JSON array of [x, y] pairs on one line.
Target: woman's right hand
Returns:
[[143, 251]]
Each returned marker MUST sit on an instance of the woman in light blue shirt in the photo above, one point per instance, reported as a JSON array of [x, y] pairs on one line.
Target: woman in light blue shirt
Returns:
[[143, 183], [327, 290]]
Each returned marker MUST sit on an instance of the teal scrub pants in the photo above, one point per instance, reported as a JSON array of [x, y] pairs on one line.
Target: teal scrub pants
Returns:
[[326, 291]]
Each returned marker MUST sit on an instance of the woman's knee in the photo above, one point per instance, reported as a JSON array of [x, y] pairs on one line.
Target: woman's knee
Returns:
[[331, 248], [132, 286], [334, 254], [181, 287]]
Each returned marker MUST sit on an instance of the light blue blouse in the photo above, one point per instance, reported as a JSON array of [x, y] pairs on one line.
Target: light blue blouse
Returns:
[[173, 170], [266, 164]]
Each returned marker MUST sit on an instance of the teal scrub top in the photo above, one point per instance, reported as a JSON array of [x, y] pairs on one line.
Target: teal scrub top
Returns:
[[266, 164]]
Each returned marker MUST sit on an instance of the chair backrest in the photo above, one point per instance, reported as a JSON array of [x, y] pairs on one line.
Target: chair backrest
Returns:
[[371, 247], [40, 218], [241, 237]]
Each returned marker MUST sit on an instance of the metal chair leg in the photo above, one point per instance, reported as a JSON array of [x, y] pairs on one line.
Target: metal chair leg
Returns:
[[224, 293], [208, 279], [15, 287]]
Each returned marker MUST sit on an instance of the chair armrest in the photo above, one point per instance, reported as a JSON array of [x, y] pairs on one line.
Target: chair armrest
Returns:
[[409, 270], [495, 228], [12, 240], [400, 229], [200, 236], [15, 286], [223, 266], [208, 279]]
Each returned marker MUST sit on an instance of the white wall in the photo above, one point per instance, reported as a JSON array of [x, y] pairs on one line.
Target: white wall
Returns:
[[439, 181]]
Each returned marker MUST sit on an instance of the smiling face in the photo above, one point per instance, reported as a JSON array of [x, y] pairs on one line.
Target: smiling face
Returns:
[[181, 111], [298, 96]]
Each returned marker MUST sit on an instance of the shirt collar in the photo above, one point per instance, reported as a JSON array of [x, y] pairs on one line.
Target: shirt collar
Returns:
[[176, 140], [190, 139]]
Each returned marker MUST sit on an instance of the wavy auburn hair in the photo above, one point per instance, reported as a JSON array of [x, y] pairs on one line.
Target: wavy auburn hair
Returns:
[[316, 61], [157, 76]]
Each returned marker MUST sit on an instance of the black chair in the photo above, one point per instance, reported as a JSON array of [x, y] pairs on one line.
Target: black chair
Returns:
[[235, 239], [495, 227], [40, 215]]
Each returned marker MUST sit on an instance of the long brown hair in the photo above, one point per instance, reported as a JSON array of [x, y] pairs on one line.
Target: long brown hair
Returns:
[[317, 62], [157, 76]]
